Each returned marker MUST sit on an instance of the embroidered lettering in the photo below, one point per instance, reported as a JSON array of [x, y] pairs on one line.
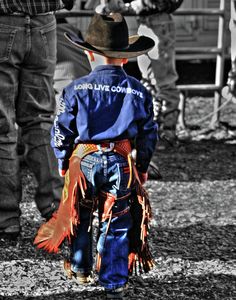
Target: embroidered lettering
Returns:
[[107, 88], [58, 136], [61, 107]]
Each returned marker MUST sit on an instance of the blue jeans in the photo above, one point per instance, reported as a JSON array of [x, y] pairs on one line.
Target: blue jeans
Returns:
[[106, 172], [158, 65], [27, 63]]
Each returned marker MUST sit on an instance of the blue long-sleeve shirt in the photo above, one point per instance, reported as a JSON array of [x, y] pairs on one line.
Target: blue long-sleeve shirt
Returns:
[[106, 105]]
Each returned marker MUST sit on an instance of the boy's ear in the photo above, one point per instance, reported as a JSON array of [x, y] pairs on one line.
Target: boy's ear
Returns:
[[125, 61], [89, 54]]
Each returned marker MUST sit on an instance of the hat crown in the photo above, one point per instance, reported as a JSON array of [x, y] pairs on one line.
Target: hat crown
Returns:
[[108, 32]]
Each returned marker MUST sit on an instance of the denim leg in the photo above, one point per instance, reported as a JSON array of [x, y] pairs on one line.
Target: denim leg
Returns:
[[113, 244], [10, 190], [36, 107], [27, 63], [81, 246], [82, 242], [114, 249], [41, 160]]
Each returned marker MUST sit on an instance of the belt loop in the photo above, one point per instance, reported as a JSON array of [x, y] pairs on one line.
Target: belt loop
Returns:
[[107, 149]]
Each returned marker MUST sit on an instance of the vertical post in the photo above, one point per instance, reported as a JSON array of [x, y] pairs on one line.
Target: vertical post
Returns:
[[181, 117], [232, 31], [219, 67]]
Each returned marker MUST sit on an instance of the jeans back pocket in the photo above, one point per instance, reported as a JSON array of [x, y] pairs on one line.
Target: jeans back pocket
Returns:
[[87, 169], [6, 43]]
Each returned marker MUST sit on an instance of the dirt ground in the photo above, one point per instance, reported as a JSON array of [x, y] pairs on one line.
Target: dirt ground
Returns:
[[192, 233]]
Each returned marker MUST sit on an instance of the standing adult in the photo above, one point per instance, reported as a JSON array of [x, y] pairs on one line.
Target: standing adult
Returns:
[[232, 25], [27, 63], [157, 67]]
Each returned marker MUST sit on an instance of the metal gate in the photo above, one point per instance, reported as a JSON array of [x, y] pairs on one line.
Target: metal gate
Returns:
[[218, 52]]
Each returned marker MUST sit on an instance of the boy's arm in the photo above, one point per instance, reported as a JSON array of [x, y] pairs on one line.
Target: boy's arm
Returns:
[[68, 4], [147, 137], [63, 133]]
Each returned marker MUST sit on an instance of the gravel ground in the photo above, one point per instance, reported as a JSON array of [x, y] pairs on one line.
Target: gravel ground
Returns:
[[192, 234]]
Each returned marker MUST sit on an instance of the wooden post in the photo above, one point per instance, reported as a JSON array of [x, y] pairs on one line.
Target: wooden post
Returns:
[[181, 117]]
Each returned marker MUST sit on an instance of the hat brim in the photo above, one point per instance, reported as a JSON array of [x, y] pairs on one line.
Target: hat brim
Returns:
[[138, 45]]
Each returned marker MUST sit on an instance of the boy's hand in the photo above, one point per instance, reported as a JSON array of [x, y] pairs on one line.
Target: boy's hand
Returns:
[[143, 177], [62, 173]]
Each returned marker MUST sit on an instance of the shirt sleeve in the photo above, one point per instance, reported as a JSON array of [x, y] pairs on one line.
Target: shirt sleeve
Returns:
[[64, 130], [67, 4], [147, 137], [158, 6]]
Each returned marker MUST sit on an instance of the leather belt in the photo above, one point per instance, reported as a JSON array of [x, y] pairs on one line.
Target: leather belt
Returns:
[[22, 14], [122, 147]]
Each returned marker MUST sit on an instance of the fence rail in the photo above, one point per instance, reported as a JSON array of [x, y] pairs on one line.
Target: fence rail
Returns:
[[181, 12]]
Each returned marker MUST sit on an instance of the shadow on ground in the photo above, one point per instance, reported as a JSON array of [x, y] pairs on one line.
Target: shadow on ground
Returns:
[[195, 242], [197, 161]]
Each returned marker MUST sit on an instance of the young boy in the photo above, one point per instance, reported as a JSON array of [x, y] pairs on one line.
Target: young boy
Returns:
[[101, 117]]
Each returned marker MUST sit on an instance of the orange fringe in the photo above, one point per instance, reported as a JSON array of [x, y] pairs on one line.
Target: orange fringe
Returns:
[[62, 224], [140, 258]]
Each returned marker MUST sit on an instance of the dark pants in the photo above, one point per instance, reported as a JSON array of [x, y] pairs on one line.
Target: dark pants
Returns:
[[27, 63]]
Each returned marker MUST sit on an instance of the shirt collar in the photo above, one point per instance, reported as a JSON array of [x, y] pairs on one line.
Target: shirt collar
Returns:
[[108, 67]]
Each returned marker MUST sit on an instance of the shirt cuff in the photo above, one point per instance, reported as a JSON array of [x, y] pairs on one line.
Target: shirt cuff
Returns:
[[63, 164], [142, 168], [67, 4]]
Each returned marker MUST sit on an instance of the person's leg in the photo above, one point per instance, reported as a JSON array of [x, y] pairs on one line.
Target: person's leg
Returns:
[[81, 254], [158, 67], [113, 247], [11, 43], [35, 110], [80, 265], [72, 62], [113, 243]]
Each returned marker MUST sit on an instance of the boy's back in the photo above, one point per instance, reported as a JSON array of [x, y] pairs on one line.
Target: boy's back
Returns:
[[107, 104]]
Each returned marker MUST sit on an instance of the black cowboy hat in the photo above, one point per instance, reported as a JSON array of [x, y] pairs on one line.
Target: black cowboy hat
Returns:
[[108, 35]]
